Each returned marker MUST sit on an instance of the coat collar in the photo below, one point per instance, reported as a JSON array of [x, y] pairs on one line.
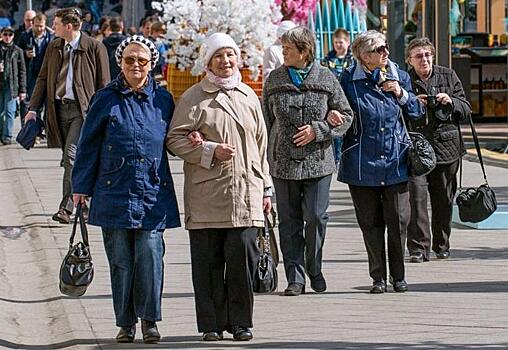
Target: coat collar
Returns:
[[119, 85], [85, 41], [360, 74]]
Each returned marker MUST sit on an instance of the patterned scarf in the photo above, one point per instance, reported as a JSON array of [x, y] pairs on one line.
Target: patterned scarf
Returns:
[[225, 83], [298, 75]]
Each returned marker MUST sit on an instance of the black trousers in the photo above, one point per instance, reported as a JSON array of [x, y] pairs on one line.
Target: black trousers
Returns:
[[378, 209], [70, 121], [441, 184], [223, 265], [302, 205]]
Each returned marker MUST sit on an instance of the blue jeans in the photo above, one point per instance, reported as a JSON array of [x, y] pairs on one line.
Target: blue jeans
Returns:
[[337, 147], [137, 272], [7, 113]]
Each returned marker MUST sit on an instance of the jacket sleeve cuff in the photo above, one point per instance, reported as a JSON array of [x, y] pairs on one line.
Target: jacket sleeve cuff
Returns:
[[321, 129], [207, 155], [268, 192], [404, 98]]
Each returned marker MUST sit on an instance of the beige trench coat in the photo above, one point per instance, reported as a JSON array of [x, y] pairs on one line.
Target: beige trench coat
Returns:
[[229, 193]]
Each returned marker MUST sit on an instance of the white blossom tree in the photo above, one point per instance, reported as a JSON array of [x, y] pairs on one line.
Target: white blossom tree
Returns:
[[251, 23]]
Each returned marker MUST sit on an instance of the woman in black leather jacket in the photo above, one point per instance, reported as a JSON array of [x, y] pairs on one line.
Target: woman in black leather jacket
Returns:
[[441, 91]]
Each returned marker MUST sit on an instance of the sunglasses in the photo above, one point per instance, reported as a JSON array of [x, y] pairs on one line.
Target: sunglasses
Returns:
[[381, 49], [131, 60], [8, 34], [422, 55]]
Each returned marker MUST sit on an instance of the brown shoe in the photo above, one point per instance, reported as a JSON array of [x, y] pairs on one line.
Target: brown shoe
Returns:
[[62, 216]]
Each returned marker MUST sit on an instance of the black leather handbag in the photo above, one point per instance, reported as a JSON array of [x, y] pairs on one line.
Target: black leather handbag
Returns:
[[475, 204], [76, 271], [421, 156], [265, 277]]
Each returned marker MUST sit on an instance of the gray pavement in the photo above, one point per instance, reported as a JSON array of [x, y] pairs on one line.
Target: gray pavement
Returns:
[[461, 303]]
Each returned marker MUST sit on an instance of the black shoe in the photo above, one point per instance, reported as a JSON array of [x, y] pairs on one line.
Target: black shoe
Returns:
[[62, 216], [378, 287], [443, 255], [294, 289], [150, 332], [400, 286], [416, 257], [212, 336], [241, 333], [126, 334], [7, 141], [318, 283]]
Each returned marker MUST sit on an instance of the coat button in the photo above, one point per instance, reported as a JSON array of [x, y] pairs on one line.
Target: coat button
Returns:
[[382, 129], [108, 182], [382, 102], [382, 156], [382, 183], [142, 160], [110, 147]]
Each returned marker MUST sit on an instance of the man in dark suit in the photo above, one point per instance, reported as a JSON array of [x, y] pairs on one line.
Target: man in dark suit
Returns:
[[74, 67]]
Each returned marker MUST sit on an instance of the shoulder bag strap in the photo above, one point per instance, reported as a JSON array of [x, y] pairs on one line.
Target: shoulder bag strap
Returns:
[[478, 150], [82, 225]]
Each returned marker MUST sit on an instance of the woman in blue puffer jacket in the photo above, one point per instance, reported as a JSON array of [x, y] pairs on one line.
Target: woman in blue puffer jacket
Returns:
[[374, 154]]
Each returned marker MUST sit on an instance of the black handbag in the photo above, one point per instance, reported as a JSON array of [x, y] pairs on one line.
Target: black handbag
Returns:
[[274, 250], [475, 204], [421, 156], [76, 271], [265, 276]]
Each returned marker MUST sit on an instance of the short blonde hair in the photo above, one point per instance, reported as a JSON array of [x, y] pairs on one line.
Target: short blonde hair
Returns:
[[367, 42]]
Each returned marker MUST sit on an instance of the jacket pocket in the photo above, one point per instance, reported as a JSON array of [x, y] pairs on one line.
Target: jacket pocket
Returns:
[[256, 169], [446, 133], [200, 174], [112, 165]]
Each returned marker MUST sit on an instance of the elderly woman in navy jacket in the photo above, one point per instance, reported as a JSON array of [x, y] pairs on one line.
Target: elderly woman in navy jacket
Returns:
[[121, 162], [374, 158]]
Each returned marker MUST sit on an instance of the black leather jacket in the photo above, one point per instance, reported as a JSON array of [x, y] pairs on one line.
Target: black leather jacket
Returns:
[[441, 123]]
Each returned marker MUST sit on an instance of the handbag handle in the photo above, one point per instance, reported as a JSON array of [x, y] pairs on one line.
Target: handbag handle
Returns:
[[478, 150], [82, 225], [266, 230]]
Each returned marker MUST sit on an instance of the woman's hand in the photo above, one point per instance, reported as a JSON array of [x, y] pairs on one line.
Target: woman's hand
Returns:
[[443, 98], [196, 138], [392, 86], [305, 136], [334, 118], [79, 198], [224, 152], [267, 204]]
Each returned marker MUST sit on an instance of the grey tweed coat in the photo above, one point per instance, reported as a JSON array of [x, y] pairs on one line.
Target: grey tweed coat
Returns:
[[287, 107]]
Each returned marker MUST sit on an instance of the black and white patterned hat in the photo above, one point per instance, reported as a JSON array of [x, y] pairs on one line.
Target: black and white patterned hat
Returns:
[[139, 39]]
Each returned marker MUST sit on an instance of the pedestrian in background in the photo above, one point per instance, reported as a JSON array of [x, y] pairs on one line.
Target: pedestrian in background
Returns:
[[374, 154], [272, 57], [440, 89], [122, 164], [227, 188], [74, 67], [12, 83], [34, 44], [28, 21], [112, 42], [337, 60], [297, 98]]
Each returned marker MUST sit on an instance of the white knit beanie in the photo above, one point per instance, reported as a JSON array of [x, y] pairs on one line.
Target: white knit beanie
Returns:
[[284, 26], [216, 42]]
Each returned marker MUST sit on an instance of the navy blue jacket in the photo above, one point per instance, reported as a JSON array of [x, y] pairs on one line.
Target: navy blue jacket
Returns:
[[33, 65], [121, 160], [374, 149]]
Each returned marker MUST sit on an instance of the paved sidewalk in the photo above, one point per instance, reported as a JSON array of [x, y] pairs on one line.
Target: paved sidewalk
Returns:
[[461, 303]]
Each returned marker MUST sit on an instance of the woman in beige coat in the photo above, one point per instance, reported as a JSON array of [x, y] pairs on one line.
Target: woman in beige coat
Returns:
[[219, 131]]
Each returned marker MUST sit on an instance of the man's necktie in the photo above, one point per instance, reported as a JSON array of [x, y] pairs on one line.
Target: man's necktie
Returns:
[[62, 76]]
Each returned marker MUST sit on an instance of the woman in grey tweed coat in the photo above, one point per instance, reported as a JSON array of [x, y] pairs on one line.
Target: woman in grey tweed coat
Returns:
[[301, 100]]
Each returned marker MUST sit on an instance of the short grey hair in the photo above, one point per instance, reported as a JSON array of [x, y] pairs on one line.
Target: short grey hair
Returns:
[[303, 39], [367, 42], [419, 42]]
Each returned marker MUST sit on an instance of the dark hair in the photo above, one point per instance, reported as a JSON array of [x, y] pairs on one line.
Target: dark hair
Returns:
[[340, 31], [146, 20], [116, 24], [70, 15]]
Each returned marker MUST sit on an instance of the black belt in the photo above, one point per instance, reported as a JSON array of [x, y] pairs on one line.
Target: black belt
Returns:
[[66, 101]]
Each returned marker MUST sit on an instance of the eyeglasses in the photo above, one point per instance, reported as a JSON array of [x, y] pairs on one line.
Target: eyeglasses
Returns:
[[420, 56], [381, 49], [8, 34], [131, 60]]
